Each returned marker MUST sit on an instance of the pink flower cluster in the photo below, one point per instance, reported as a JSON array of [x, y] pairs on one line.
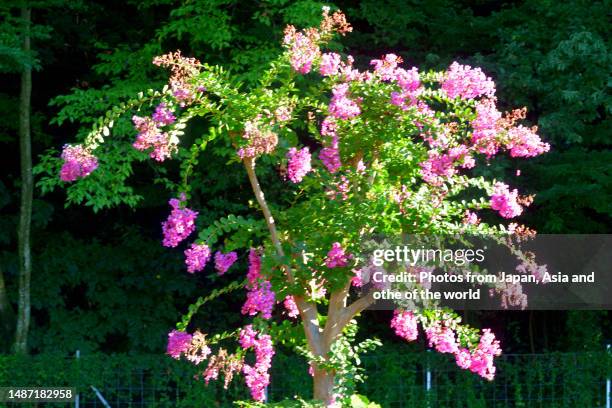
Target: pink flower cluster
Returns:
[[385, 67], [180, 223], [178, 343], [486, 127], [491, 131], [341, 106], [224, 261], [303, 49], [480, 361], [358, 278], [439, 167], [442, 338], [405, 324], [257, 377], [78, 163], [254, 272], [505, 201], [196, 257], [467, 83], [184, 70], [163, 115], [524, 142], [337, 257], [151, 137], [283, 113], [298, 164], [330, 154], [470, 218], [259, 140], [330, 64], [260, 299], [291, 306]]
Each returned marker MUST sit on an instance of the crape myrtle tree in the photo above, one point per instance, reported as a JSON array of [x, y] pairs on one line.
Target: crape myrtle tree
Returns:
[[394, 153]]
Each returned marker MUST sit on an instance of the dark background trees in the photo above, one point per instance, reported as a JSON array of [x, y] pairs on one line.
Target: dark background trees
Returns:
[[103, 282]]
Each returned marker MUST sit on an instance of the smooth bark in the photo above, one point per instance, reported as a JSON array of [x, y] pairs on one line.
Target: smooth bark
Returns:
[[25, 210]]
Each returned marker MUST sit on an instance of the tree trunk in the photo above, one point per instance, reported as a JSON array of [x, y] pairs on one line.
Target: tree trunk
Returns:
[[323, 382], [6, 315], [25, 211]]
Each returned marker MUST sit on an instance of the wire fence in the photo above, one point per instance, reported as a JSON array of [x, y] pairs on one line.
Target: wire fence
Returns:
[[395, 380]]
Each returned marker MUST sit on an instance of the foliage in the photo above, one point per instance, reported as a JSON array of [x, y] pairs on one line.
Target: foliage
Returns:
[[394, 141], [528, 47], [556, 379]]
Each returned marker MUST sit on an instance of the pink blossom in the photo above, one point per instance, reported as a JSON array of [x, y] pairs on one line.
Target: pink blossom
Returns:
[[505, 201], [482, 358], [150, 137], [291, 306], [330, 156], [442, 338], [437, 168], [260, 298], [341, 106], [330, 63], [467, 83], [358, 279], [512, 296], [178, 343], [163, 115], [329, 126], [486, 127], [298, 164], [337, 257], [196, 257], [409, 81], [524, 142], [283, 113], [247, 337], [348, 73], [211, 372], [224, 261], [179, 225], [463, 358], [182, 95], [256, 376], [405, 324], [302, 51], [385, 67], [78, 163], [441, 166], [470, 218], [254, 272], [259, 140]]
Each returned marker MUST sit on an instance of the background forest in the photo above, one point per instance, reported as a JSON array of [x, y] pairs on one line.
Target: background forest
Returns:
[[101, 281]]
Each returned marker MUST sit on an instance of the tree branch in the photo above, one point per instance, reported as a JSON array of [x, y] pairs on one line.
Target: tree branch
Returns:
[[308, 311], [344, 317]]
